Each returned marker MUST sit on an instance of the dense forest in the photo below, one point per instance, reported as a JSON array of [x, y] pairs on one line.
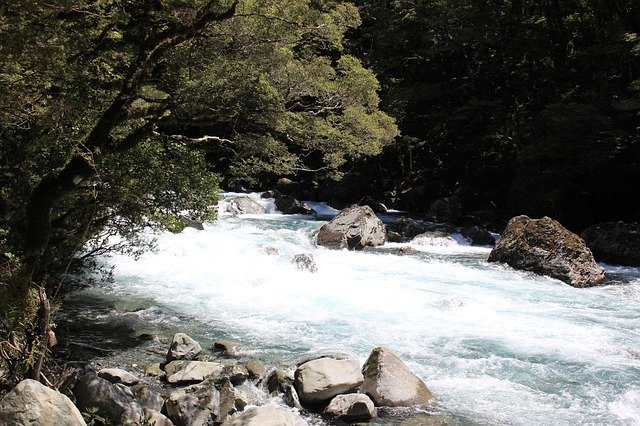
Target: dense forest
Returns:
[[118, 114]]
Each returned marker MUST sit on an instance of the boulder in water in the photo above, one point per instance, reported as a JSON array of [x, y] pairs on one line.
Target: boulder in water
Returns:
[[321, 379], [114, 401], [194, 405], [389, 382], [446, 210], [116, 375], [544, 246], [287, 204], [614, 242], [478, 236], [32, 403], [305, 262], [192, 371], [231, 400], [352, 407], [245, 205], [183, 347], [407, 228], [353, 228], [266, 415]]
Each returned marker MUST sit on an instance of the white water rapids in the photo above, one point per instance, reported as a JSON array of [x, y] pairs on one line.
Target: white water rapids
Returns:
[[494, 345]]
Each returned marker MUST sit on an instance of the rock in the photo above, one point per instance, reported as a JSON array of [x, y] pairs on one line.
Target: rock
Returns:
[[194, 405], [256, 370], [155, 418], [192, 223], [404, 251], [304, 262], [148, 397], [287, 204], [278, 380], [353, 228], [245, 205], [231, 400], [266, 416], [192, 371], [289, 187], [545, 247], [116, 375], [446, 210], [228, 347], [32, 403], [614, 242], [290, 396], [270, 250], [154, 370], [183, 347], [114, 401], [406, 228], [272, 193], [389, 382], [376, 206], [322, 379], [352, 407], [478, 236]]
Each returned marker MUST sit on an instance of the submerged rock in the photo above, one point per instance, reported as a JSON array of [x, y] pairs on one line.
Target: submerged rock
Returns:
[[245, 205], [266, 416], [352, 407], [478, 236], [32, 403], [389, 382], [305, 262], [545, 247], [228, 347], [353, 228], [183, 347], [614, 242], [322, 379]]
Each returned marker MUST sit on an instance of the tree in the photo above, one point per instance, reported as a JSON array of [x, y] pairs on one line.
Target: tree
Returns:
[[109, 109]]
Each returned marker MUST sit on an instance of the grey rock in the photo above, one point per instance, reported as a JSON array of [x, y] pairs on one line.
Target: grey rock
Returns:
[[353, 228], [278, 380], [231, 400], [32, 403], [155, 418], [322, 379], [148, 397], [245, 205], [228, 347], [544, 246], [288, 204], [192, 371], [352, 407], [154, 370], [389, 382], [290, 396], [114, 401], [256, 370], [478, 236], [614, 242], [405, 229], [183, 347], [266, 416], [117, 375], [305, 262], [194, 405]]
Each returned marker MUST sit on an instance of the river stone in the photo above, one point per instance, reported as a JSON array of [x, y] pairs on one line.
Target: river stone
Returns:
[[322, 379], [353, 228], [278, 380], [288, 204], [228, 347], [245, 205], [305, 262], [114, 401], [406, 228], [478, 236], [192, 371], [194, 405], [232, 400], [154, 370], [352, 407], [543, 246], [266, 416], [117, 375], [256, 370], [155, 418], [148, 397], [389, 382], [32, 403], [614, 242], [183, 347]]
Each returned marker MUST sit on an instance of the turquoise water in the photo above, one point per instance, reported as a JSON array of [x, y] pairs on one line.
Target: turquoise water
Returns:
[[495, 346]]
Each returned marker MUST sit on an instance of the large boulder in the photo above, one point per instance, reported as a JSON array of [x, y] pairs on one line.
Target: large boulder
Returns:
[[116, 375], [614, 242], [194, 405], [351, 407], [114, 401], [288, 204], [408, 228], [478, 236], [183, 347], [389, 382], [353, 228], [231, 400], [32, 403], [266, 415], [321, 379], [192, 371], [149, 398], [245, 205], [545, 247]]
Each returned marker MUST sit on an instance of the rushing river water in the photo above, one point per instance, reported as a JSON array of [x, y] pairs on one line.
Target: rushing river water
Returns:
[[494, 345]]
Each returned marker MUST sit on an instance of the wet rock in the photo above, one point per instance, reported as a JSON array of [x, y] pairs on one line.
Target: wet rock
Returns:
[[194, 405], [192, 223], [353, 228], [183, 347], [116, 375], [614, 242], [389, 382], [290, 396], [278, 380], [446, 210], [114, 401], [231, 400], [272, 193], [147, 397], [478, 236], [376, 206], [351, 407], [256, 370], [404, 251], [287, 204], [32, 403], [155, 418], [544, 246], [322, 379], [271, 250], [305, 262], [193, 371], [266, 416], [406, 228], [245, 205], [228, 347]]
